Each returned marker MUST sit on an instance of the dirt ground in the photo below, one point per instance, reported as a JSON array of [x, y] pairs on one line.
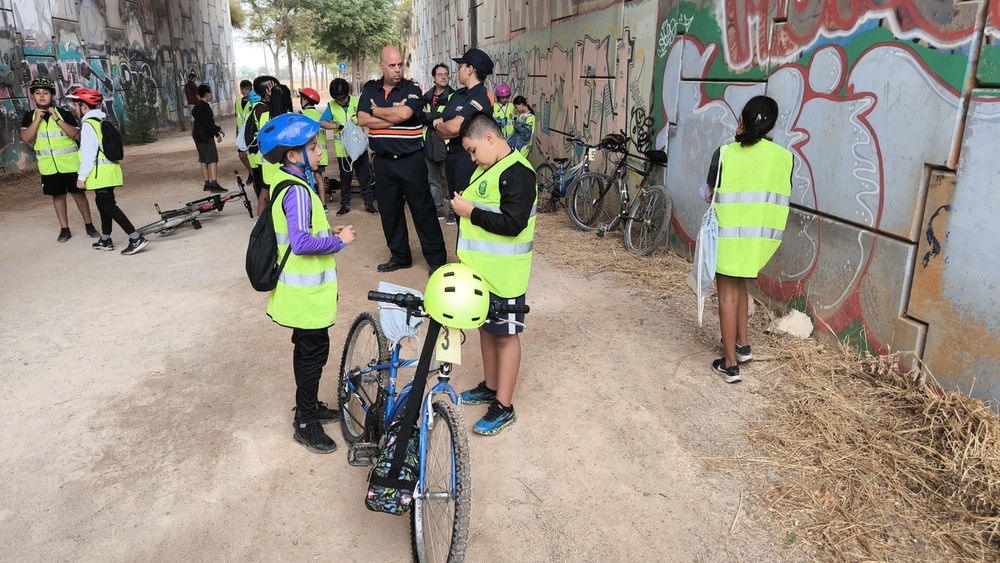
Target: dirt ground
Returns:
[[147, 404]]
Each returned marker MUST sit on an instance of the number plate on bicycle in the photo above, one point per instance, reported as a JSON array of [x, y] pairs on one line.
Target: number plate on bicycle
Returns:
[[449, 346], [591, 154]]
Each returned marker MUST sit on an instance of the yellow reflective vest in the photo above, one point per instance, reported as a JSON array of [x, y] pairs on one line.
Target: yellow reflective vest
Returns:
[[340, 114], [503, 261], [256, 158], [243, 107], [56, 152], [105, 173], [306, 294], [752, 206], [504, 116], [313, 113]]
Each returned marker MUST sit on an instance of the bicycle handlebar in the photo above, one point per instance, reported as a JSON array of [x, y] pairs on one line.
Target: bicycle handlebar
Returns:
[[412, 303]]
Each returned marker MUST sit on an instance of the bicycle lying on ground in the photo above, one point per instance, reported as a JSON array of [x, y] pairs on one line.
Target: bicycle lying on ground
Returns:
[[369, 402], [602, 204], [173, 218], [554, 181]]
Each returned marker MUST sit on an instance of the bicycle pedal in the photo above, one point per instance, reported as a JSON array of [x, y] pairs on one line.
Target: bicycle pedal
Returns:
[[362, 454]]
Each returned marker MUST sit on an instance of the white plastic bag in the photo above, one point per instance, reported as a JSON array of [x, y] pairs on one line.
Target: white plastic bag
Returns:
[[354, 140], [706, 249], [241, 142]]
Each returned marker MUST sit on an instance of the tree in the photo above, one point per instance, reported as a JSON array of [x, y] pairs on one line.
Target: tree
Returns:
[[357, 29], [237, 15], [270, 24]]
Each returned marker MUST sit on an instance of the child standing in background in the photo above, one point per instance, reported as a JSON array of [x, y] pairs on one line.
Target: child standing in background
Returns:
[[206, 134], [524, 127]]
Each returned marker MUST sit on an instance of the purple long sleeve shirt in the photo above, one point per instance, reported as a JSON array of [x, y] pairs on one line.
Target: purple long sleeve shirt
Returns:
[[297, 203]]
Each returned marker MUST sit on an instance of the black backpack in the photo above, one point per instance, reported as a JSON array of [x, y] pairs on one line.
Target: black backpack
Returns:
[[111, 141], [263, 267]]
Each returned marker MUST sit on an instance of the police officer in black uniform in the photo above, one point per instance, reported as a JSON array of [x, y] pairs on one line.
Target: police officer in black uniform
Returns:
[[473, 68], [390, 108]]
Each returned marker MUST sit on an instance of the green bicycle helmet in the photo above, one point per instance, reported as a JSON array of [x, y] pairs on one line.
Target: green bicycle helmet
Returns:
[[41, 82], [457, 297]]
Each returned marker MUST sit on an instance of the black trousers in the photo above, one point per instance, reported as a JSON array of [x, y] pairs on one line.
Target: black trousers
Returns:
[[363, 167], [109, 210], [258, 179], [404, 178], [458, 169], [312, 349]]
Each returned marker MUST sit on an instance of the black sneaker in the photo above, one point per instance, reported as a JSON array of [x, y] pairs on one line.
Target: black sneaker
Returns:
[[91, 231], [217, 188], [729, 374], [497, 418], [743, 354], [452, 219], [64, 235], [370, 209], [312, 436], [324, 414], [103, 244], [344, 210], [135, 245]]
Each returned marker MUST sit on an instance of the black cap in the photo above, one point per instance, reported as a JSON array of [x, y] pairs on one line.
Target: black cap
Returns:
[[477, 60]]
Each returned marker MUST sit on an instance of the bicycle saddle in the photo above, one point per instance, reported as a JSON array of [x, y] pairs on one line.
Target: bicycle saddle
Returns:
[[656, 157], [560, 160]]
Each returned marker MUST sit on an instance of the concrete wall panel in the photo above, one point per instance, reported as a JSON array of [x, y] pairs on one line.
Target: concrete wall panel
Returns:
[[122, 48]]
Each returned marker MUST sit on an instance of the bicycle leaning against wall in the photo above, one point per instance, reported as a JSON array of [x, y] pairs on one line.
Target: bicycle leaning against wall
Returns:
[[602, 204], [554, 180]]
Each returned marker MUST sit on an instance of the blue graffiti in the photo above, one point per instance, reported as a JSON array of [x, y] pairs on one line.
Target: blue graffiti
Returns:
[[932, 238]]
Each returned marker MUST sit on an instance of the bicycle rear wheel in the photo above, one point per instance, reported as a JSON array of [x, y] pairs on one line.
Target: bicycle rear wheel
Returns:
[[442, 511], [359, 386], [648, 221], [592, 201], [548, 188], [164, 226]]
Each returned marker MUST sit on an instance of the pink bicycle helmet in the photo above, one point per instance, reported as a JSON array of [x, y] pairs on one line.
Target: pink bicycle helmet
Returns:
[[503, 91]]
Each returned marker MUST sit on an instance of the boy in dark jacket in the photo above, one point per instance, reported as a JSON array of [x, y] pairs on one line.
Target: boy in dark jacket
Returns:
[[206, 134]]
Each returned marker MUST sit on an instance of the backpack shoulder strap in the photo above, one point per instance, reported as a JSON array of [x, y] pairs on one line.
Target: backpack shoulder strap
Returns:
[[279, 190]]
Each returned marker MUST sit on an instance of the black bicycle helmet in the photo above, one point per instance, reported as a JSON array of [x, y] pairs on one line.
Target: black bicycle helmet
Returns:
[[614, 142], [41, 83], [260, 84], [339, 88]]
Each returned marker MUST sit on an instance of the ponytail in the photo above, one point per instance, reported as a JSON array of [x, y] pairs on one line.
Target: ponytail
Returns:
[[759, 116]]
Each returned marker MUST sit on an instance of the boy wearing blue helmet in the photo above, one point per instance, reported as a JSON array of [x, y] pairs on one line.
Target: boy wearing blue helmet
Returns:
[[305, 298]]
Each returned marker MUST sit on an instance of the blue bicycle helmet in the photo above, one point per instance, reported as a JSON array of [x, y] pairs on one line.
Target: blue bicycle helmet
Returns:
[[286, 132]]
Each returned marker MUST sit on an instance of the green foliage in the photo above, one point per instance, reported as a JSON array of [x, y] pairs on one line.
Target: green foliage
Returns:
[[141, 120], [358, 29], [237, 15]]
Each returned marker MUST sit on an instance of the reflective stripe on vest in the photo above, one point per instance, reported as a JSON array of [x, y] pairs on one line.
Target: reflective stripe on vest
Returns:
[[493, 247], [105, 173], [55, 151], [496, 208], [256, 158], [503, 261], [306, 294], [751, 206]]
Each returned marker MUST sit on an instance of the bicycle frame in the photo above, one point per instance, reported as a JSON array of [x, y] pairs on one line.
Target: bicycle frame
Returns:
[[619, 180], [394, 398]]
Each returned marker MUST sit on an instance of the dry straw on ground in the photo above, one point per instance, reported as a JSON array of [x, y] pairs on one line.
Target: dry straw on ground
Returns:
[[856, 461]]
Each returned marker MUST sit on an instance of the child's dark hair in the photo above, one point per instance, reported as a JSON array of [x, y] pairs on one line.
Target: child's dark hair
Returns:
[[522, 101], [759, 117], [245, 84], [478, 125], [204, 89]]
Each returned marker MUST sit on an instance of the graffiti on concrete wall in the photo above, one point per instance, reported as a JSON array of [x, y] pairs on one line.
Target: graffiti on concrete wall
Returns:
[[136, 53], [871, 100]]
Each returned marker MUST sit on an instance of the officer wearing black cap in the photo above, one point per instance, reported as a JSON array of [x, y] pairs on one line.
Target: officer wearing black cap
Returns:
[[390, 107], [473, 68]]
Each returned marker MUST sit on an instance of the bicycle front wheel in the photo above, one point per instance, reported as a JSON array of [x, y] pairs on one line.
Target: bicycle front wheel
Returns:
[[590, 201], [442, 510], [359, 386], [548, 189], [164, 226], [648, 221]]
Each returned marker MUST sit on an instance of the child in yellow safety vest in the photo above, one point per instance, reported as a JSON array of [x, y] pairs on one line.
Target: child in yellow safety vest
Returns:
[[495, 238], [524, 126], [308, 98], [53, 132]]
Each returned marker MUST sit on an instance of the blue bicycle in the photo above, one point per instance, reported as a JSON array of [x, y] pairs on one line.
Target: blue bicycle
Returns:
[[554, 181], [369, 402]]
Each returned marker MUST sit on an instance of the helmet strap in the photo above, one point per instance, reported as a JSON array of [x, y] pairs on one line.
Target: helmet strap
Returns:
[[306, 169]]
